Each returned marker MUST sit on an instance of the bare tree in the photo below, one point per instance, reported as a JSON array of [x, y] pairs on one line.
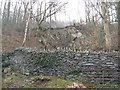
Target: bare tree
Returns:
[[8, 10], [25, 10], [102, 9], [4, 13], [26, 30], [28, 7], [14, 14], [87, 10], [19, 15], [92, 23], [118, 24], [44, 12], [105, 19], [49, 10]]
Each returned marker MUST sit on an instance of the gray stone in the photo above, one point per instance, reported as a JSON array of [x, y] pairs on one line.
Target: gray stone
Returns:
[[90, 63]]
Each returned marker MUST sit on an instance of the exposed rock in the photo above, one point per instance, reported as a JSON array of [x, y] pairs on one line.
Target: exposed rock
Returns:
[[75, 85]]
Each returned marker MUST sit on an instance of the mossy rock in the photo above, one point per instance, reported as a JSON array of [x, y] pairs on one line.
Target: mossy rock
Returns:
[[6, 59], [101, 86], [51, 82], [19, 80], [75, 71], [46, 60]]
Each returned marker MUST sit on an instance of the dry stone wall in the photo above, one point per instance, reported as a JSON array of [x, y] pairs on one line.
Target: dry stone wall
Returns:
[[98, 67]]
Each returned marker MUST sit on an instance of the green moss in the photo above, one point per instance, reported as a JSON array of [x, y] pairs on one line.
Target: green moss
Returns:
[[46, 60], [58, 83], [88, 46], [6, 56], [54, 82], [15, 80], [6, 59], [90, 85], [18, 80], [97, 85], [75, 72]]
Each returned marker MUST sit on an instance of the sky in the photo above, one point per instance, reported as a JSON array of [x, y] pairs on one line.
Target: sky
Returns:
[[73, 11]]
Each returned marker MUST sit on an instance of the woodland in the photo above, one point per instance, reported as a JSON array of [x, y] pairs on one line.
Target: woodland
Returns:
[[34, 24]]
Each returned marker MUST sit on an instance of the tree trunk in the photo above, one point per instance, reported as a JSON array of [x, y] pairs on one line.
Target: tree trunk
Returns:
[[4, 13], [25, 10], [119, 25], [105, 20], [8, 11], [95, 43], [107, 35], [14, 14], [26, 31]]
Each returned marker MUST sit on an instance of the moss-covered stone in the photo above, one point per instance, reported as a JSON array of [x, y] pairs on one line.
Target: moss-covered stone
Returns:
[[70, 65], [6, 59], [18, 80], [75, 72], [46, 60]]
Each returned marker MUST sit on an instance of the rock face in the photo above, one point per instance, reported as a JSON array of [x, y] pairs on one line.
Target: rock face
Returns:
[[99, 67]]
